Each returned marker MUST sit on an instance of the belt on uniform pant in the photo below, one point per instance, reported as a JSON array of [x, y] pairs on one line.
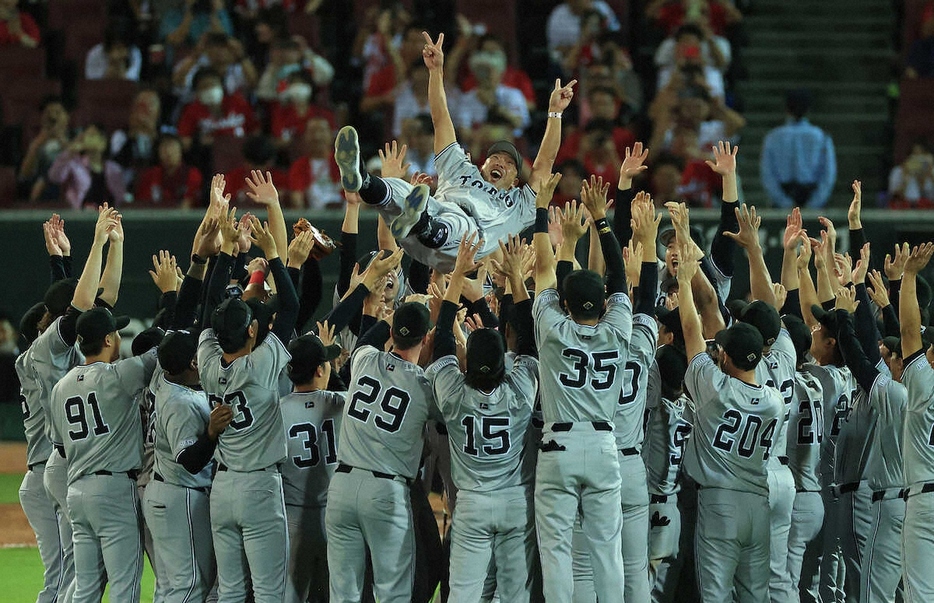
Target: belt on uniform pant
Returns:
[[843, 489], [925, 488], [629, 451], [878, 495], [34, 465], [805, 490], [657, 499], [130, 474], [783, 460], [597, 425], [223, 467], [343, 468], [159, 478]]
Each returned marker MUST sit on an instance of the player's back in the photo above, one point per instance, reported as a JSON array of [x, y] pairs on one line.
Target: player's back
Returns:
[[666, 433], [884, 466], [312, 422], [805, 432], [487, 432], [581, 366], [734, 429], [180, 415], [777, 369], [50, 358], [854, 439], [254, 440], [918, 378], [837, 384], [96, 416], [384, 417], [637, 373], [38, 446]]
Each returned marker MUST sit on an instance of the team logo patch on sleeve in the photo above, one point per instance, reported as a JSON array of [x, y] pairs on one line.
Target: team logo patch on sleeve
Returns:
[[222, 381]]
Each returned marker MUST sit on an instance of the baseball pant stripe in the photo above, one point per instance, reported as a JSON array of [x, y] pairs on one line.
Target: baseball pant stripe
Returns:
[[191, 547]]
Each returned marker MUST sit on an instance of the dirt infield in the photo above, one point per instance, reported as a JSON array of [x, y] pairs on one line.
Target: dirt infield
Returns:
[[14, 528], [12, 457]]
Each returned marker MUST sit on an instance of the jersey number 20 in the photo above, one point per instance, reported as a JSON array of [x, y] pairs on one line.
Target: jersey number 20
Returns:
[[77, 417], [392, 406]]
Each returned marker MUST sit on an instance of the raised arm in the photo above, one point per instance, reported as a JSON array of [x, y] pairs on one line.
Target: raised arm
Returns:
[[723, 247], [633, 165], [760, 282], [545, 160], [807, 294], [113, 268], [261, 189], [263, 236], [86, 289], [690, 321], [545, 277], [444, 344], [593, 195], [909, 313], [437, 98]]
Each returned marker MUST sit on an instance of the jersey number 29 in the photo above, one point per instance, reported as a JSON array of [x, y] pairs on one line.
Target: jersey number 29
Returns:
[[392, 406]]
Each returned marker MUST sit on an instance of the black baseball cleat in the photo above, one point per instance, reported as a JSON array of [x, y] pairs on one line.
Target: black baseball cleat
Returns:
[[347, 156], [412, 209]]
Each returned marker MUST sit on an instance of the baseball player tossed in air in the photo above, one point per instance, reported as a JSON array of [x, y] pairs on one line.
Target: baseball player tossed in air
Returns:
[[734, 422], [582, 355], [96, 420], [487, 411], [311, 416], [380, 446], [485, 200], [918, 377], [177, 502], [247, 508]]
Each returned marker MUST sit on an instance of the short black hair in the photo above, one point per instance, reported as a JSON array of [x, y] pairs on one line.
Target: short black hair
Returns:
[[689, 29], [601, 90], [665, 158], [572, 164], [52, 99], [204, 73], [116, 33], [275, 17], [258, 150], [797, 102], [91, 348]]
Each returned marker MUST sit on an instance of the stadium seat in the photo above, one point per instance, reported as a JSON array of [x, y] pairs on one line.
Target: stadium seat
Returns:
[[17, 62], [915, 116], [7, 186], [80, 37], [498, 16], [228, 153], [63, 13], [21, 98], [106, 102]]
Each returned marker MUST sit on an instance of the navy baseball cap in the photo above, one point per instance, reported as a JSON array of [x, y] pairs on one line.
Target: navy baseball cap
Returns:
[[828, 318], [670, 319], [800, 335], [146, 340], [486, 355], [672, 365], [760, 315], [29, 323], [504, 146], [59, 295], [230, 322], [176, 351], [668, 235], [584, 293], [97, 323], [308, 353], [893, 344], [743, 343], [410, 322]]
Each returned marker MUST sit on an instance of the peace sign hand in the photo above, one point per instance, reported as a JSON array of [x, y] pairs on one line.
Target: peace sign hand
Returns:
[[434, 57]]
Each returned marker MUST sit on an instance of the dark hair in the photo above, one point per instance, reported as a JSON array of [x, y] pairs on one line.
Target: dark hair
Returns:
[[665, 158], [116, 33], [91, 348], [302, 375], [483, 382], [275, 17], [689, 29], [798, 102], [405, 343], [204, 73], [258, 150], [216, 38]]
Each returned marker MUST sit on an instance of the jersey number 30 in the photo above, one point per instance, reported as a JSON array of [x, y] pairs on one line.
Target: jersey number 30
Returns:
[[392, 406]]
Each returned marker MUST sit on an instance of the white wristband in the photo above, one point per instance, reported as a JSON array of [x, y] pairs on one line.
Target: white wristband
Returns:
[[555, 114]]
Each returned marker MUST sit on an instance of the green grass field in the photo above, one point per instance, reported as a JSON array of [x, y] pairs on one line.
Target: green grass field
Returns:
[[9, 487]]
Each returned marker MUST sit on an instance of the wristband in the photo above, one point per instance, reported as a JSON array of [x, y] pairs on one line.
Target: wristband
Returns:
[[541, 219], [197, 259], [602, 226], [258, 277], [555, 114]]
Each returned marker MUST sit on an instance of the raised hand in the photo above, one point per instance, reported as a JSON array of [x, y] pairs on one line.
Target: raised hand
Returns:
[[862, 265], [687, 268], [51, 244], [856, 205], [300, 248], [633, 164], [106, 223], [513, 258], [644, 220], [380, 266], [261, 235], [846, 299], [831, 231], [420, 178], [393, 160], [793, 230], [116, 233], [246, 229], [724, 162], [262, 190], [593, 196], [632, 260], [573, 223], [432, 53], [257, 264], [219, 202], [843, 268], [895, 268], [561, 96], [164, 271], [554, 226], [221, 416], [230, 228], [919, 258], [206, 243], [878, 292], [748, 235], [546, 190], [325, 333], [466, 253], [781, 294], [804, 252]]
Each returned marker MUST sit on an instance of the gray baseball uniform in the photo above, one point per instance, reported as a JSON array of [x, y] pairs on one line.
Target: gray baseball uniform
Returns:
[[146, 402], [727, 455], [312, 421], [176, 503], [581, 380], [918, 529], [94, 415], [494, 515], [368, 499], [464, 202], [44, 364], [777, 369], [247, 509]]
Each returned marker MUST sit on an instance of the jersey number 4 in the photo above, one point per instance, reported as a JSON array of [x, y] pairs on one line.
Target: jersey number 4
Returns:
[[243, 416], [604, 373], [725, 438], [76, 413], [392, 406], [492, 429], [309, 434]]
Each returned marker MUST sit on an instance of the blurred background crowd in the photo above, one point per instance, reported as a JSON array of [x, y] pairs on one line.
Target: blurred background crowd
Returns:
[[138, 102]]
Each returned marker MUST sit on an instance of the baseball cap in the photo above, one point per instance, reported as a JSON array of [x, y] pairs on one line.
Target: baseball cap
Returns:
[[176, 351], [584, 292], [485, 355], [146, 340], [504, 146], [410, 322], [894, 344], [800, 335], [672, 364], [59, 295], [666, 236], [668, 284], [29, 323], [828, 318], [670, 319], [230, 322], [97, 323], [308, 353], [760, 315], [743, 343]]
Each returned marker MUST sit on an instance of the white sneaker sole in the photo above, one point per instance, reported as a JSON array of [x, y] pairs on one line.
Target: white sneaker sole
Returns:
[[347, 156], [415, 203]]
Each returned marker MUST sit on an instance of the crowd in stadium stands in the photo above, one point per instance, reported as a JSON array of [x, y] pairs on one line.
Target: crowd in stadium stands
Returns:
[[229, 85]]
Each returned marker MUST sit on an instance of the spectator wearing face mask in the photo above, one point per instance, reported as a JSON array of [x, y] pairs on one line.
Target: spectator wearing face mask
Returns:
[[214, 113], [86, 178], [287, 57], [294, 109], [114, 58], [475, 37], [688, 54], [225, 55]]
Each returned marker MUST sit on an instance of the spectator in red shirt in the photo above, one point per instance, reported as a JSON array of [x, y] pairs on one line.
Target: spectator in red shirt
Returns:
[[214, 113], [700, 185], [471, 40], [295, 108], [381, 93], [314, 180], [16, 27], [598, 152], [604, 106], [171, 183], [671, 14], [258, 153]]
